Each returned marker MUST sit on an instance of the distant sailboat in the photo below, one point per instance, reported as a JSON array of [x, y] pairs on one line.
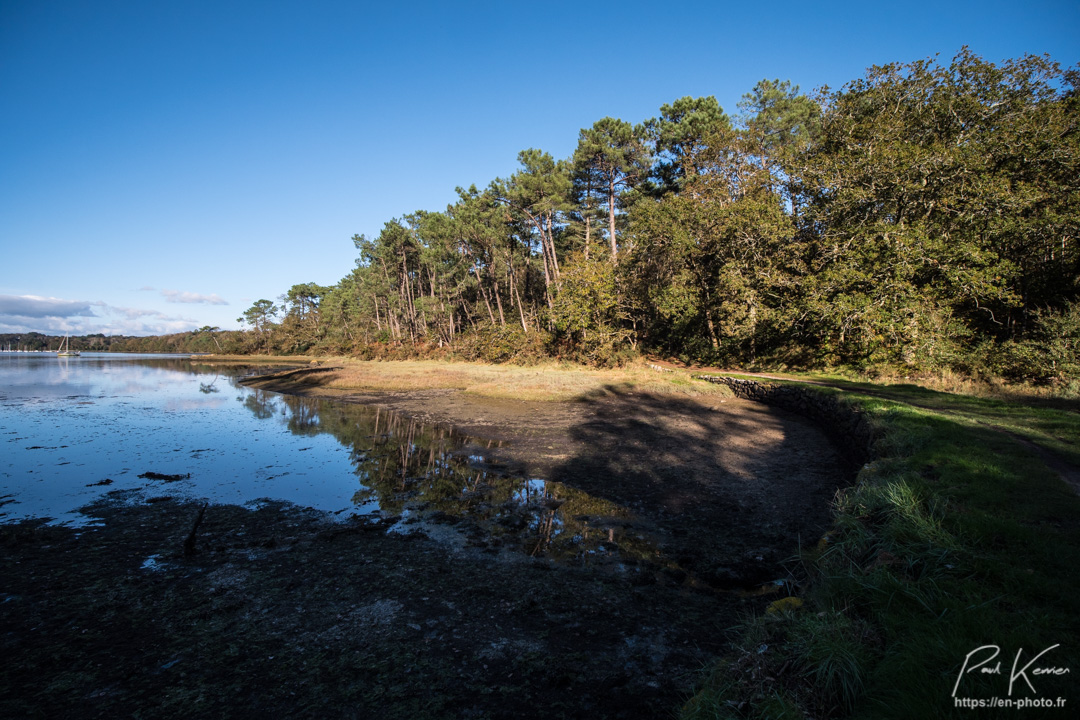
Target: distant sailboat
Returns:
[[65, 349]]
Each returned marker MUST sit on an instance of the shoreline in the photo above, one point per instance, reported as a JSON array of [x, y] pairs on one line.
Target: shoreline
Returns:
[[538, 437], [229, 611]]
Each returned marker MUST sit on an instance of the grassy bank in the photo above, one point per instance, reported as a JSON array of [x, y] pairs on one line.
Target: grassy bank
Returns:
[[961, 534], [550, 382]]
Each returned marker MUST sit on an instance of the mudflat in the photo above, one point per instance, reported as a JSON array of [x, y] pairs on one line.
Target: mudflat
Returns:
[[168, 610], [734, 486]]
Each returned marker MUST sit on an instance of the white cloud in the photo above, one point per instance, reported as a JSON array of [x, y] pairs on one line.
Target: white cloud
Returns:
[[176, 296], [31, 313], [137, 321], [134, 313], [148, 326], [33, 306]]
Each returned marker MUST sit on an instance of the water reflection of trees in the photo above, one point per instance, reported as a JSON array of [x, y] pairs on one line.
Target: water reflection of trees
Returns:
[[302, 418], [261, 403], [421, 471], [210, 387]]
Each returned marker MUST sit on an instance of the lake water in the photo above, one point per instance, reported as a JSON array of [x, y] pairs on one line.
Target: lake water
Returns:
[[67, 424], [75, 429]]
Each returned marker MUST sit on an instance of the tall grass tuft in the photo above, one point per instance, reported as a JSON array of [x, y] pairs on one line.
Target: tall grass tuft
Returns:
[[956, 536], [833, 650]]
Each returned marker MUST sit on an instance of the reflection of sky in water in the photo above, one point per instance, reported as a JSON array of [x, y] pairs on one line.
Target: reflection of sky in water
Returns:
[[68, 422]]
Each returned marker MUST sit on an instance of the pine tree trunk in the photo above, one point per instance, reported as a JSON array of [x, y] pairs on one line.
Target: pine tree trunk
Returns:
[[498, 302], [483, 293], [551, 244], [514, 294], [588, 227], [611, 222]]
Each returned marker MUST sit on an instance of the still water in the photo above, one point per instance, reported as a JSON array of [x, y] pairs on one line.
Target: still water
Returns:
[[67, 424], [74, 429]]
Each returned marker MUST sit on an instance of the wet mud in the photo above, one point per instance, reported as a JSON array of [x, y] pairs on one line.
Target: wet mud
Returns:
[[725, 489], [559, 560]]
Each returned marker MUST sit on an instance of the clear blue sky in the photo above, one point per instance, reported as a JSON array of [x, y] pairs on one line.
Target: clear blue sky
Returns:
[[165, 164]]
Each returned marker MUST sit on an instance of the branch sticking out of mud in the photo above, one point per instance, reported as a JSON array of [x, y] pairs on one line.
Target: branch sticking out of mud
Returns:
[[189, 543]]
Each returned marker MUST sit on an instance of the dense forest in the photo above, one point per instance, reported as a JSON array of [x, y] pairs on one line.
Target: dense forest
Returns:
[[924, 216]]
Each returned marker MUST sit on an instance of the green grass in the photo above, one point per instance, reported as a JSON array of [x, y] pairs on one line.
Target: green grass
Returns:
[[957, 536], [1052, 424]]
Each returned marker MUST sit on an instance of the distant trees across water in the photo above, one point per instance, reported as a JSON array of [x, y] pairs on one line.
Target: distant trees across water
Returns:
[[204, 340]]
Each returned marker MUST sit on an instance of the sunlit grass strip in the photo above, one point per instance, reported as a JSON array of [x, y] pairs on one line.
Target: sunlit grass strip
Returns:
[[1049, 421], [956, 537], [1052, 423]]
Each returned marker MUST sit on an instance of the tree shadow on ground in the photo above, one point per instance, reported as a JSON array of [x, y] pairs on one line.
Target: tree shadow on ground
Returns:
[[730, 488]]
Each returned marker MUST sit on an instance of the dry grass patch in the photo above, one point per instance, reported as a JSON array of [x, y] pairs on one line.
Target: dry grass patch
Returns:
[[551, 382]]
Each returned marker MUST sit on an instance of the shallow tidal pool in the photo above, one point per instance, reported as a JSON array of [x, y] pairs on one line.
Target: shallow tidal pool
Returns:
[[77, 430]]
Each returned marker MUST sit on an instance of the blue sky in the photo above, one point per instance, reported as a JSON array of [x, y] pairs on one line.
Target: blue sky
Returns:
[[165, 164]]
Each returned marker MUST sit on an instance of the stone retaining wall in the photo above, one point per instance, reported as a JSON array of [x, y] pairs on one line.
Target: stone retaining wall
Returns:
[[846, 426]]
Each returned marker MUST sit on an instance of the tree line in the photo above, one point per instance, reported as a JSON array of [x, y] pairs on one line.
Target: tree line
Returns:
[[206, 339], [925, 215]]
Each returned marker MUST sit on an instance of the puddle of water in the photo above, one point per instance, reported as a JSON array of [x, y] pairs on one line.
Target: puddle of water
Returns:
[[161, 427], [429, 477]]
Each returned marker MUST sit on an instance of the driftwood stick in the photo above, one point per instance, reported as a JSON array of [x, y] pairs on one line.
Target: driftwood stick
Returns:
[[189, 543]]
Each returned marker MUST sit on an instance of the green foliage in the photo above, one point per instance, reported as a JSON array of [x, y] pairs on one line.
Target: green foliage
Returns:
[[923, 218], [1057, 336], [614, 153], [716, 262], [508, 344], [301, 328], [943, 202], [833, 649], [260, 315], [1049, 355], [679, 136], [589, 323], [777, 117]]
